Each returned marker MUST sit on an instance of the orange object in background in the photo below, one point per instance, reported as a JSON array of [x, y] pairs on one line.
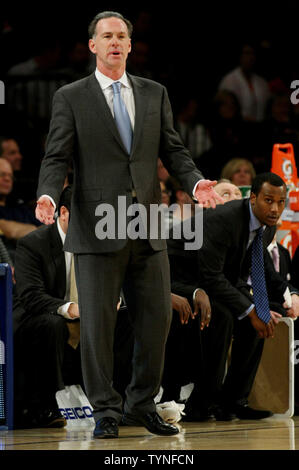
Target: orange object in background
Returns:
[[283, 163], [288, 236], [294, 200]]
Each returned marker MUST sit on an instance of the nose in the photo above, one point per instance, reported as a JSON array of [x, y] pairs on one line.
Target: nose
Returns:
[[114, 40], [274, 207]]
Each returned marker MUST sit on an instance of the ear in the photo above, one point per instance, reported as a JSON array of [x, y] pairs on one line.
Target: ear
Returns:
[[63, 211], [130, 46], [92, 46], [252, 199]]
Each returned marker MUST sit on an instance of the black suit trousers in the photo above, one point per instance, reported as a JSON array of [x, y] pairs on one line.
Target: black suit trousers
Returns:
[[44, 362], [246, 353], [144, 275], [198, 356]]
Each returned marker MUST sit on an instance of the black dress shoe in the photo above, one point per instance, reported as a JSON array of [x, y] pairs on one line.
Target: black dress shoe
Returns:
[[222, 414], [51, 419], [196, 415], [46, 418], [152, 422], [245, 412], [106, 428]]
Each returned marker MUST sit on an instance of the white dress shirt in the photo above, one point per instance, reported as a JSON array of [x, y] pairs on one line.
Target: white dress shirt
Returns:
[[126, 92]]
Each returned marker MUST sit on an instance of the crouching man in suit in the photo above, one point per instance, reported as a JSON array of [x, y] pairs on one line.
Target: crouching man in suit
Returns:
[[46, 322]]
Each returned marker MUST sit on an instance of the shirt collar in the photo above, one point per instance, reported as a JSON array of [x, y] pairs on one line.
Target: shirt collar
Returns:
[[271, 246], [254, 223], [106, 82], [60, 231]]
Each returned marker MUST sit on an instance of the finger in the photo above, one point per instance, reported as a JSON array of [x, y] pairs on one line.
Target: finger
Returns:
[[196, 310], [212, 203], [203, 321], [270, 328], [186, 315], [219, 198], [212, 183], [276, 314]]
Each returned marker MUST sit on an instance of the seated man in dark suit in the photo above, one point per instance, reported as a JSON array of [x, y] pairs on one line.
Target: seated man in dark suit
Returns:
[[46, 338], [283, 295], [47, 327], [222, 267]]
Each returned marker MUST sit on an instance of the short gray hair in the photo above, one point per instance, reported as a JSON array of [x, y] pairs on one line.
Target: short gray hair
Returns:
[[108, 14]]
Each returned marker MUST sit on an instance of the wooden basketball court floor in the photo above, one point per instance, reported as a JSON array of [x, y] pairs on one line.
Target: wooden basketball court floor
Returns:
[[268, 434]]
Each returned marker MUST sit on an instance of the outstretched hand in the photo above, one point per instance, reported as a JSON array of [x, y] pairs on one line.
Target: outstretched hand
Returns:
[[206, 195], [45, 210]]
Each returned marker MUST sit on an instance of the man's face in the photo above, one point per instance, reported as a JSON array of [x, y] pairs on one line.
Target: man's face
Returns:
[[6, 177], [247, 59], [11, 152], [64, 217], [242, 176], [269, 203], [228, 191], [111, 44]]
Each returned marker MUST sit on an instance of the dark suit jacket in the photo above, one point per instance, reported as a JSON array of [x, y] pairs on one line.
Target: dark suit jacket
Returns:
[[295, 268], [222, 265], [40, 274], [278, 282], [83, 130]]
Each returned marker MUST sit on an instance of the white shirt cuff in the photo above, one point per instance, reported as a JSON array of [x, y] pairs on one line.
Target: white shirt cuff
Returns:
[[63, 311], [51, 199], [194, 189], [288, 297], [246, 313], [194, 293]]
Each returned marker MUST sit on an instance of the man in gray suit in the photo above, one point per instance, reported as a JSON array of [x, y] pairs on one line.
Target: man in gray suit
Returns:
[[115, 158]]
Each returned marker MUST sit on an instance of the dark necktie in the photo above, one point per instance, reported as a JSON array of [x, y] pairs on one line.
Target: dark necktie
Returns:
[[258, 281], [121, 117]]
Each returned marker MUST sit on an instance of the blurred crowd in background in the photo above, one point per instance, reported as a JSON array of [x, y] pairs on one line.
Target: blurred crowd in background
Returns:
[[229, 83]]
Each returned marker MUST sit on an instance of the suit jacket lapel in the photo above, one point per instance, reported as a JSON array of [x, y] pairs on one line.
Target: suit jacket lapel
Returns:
[[244, 227], [97, 101], [141, 103], [99, 104]]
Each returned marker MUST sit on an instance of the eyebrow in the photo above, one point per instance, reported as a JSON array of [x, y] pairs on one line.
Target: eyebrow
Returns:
[[111, 32]]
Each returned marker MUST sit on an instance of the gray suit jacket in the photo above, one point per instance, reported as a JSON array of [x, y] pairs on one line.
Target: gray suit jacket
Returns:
[[83, 131]]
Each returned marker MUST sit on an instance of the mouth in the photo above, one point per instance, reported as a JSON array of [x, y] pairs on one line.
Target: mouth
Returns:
[[115, 53]]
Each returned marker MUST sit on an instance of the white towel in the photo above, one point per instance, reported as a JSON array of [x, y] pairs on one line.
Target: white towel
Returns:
[[170, 411]]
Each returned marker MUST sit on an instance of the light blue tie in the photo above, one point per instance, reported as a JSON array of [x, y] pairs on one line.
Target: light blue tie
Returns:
[[121, 117], [260, 296]]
